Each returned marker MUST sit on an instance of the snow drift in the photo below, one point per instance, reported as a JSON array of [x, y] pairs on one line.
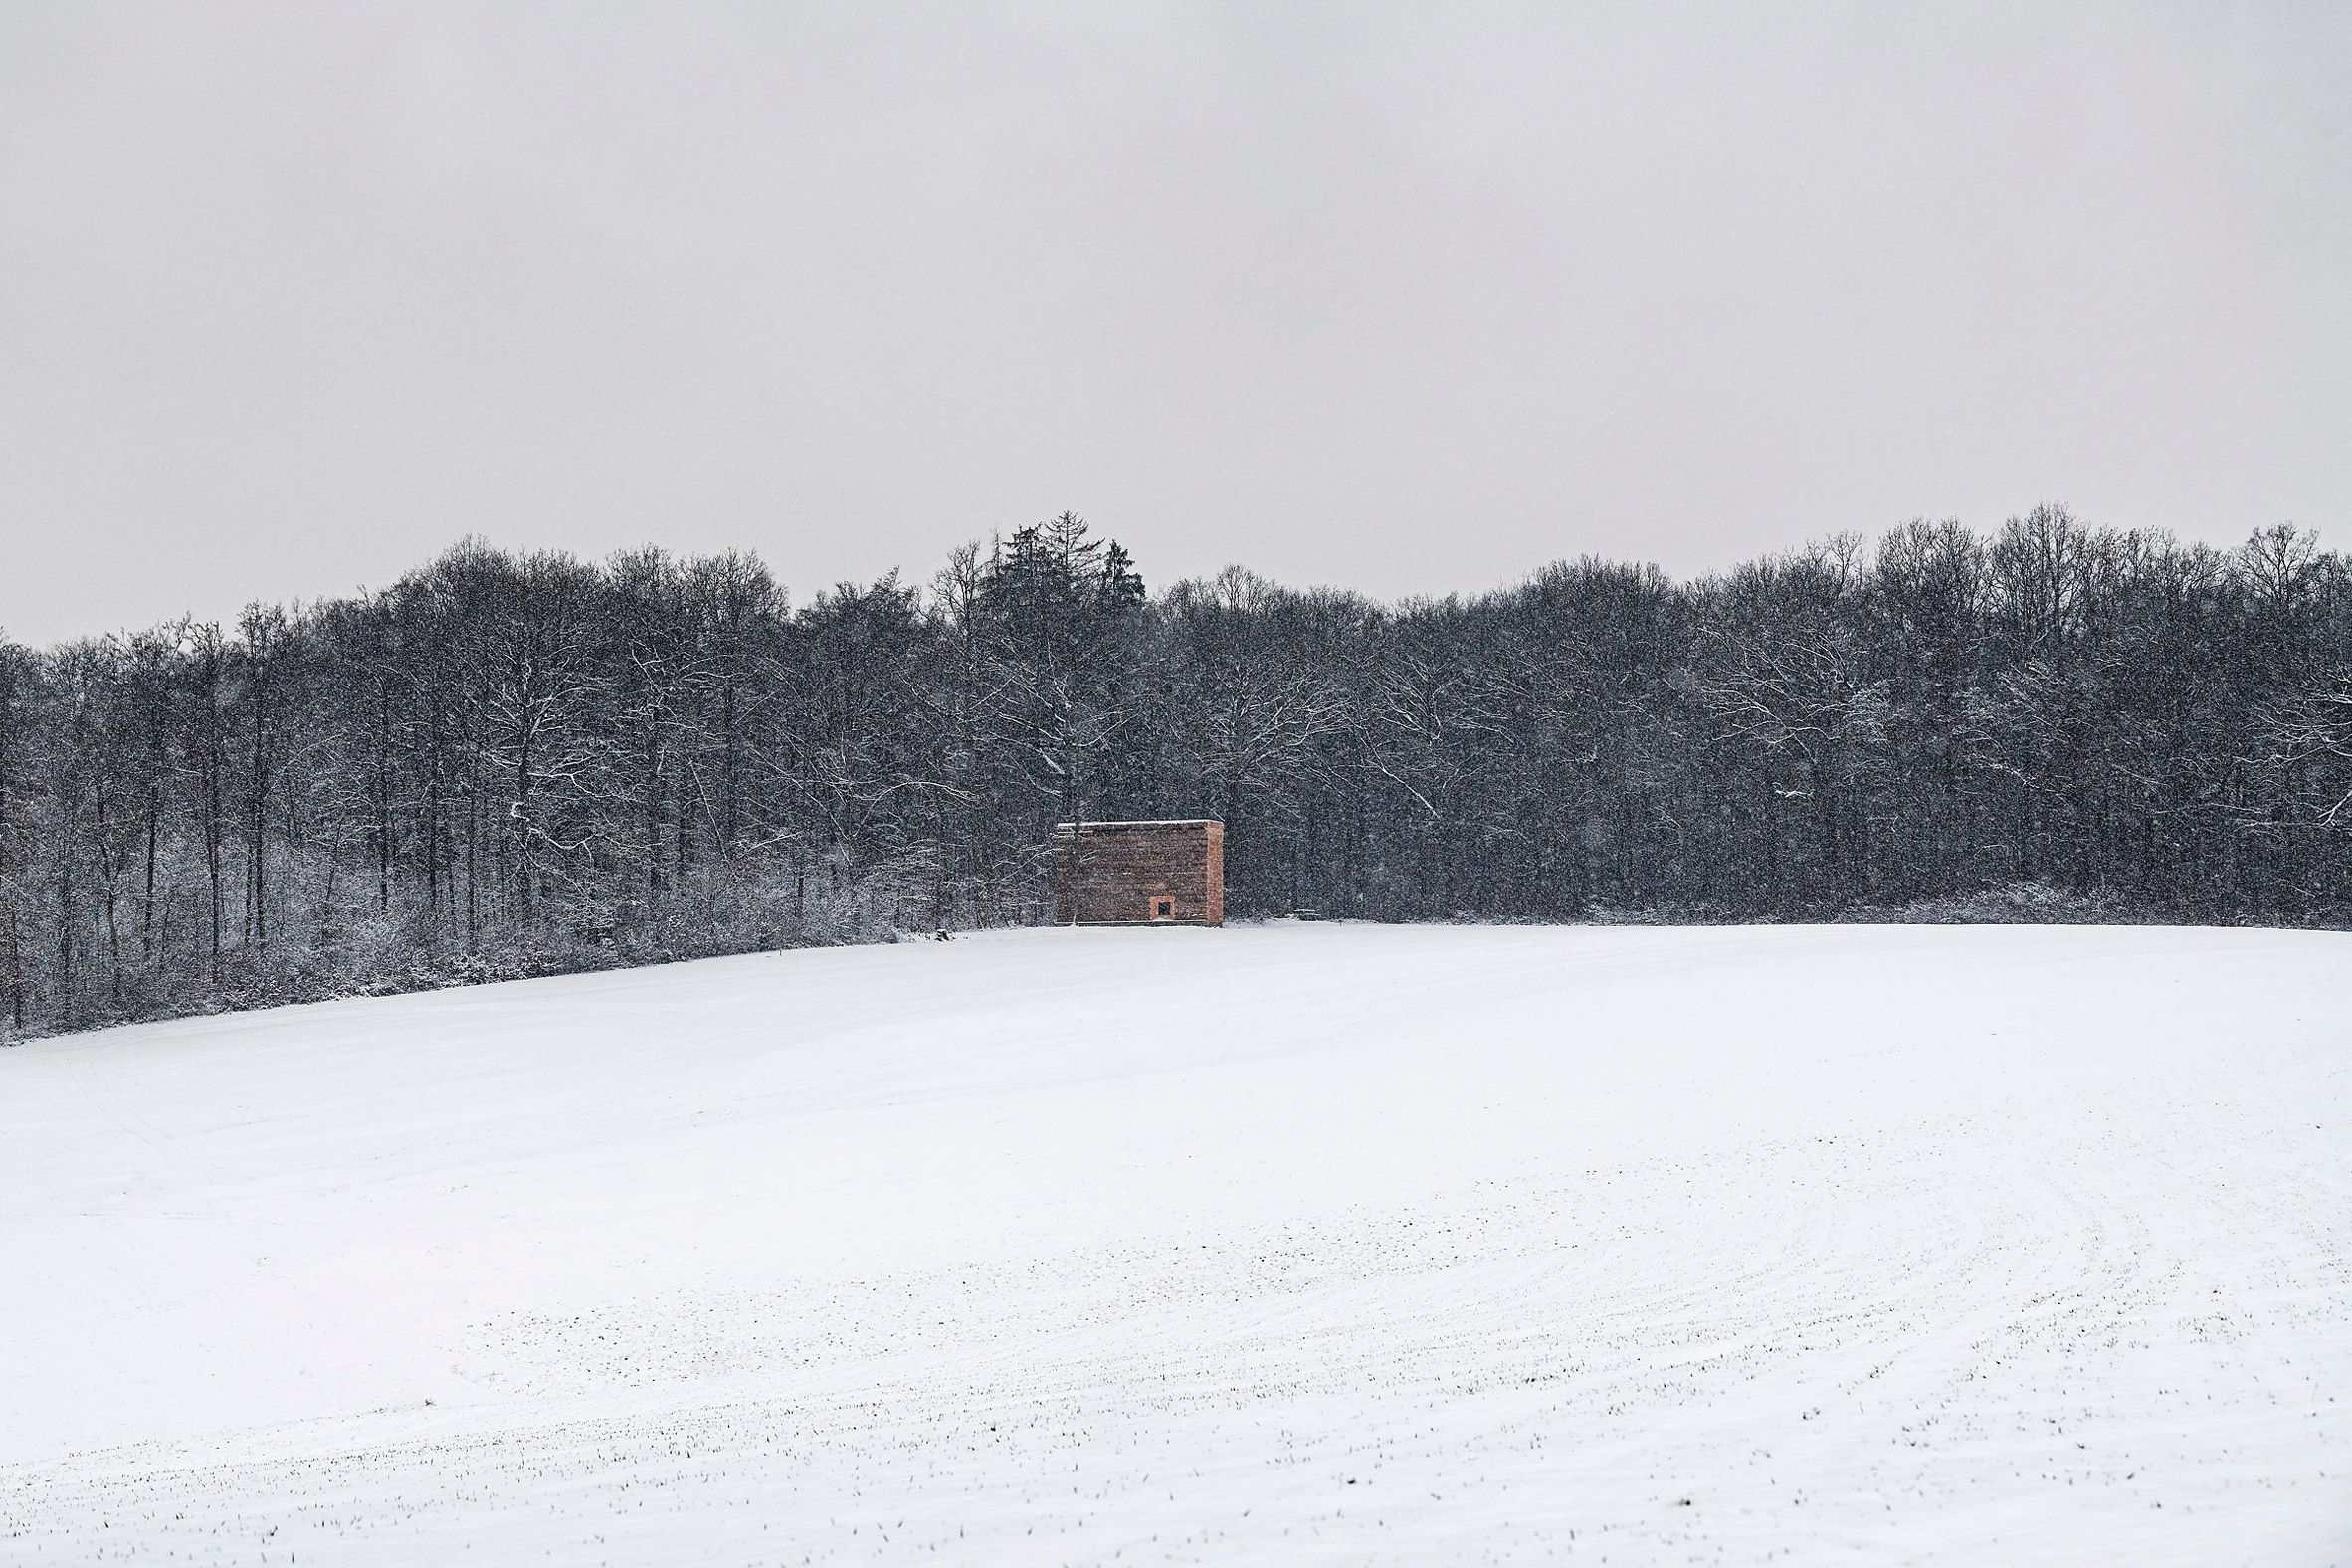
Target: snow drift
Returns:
[[1273, 1244]]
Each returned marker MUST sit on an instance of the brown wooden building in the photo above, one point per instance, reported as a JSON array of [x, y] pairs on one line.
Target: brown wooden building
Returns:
[[1139, 873]]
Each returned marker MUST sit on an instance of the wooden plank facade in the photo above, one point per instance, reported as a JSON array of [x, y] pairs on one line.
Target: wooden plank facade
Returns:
[[1139, 873]]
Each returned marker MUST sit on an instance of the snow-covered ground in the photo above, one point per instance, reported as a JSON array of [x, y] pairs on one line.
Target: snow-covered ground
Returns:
[[1288, 1244]]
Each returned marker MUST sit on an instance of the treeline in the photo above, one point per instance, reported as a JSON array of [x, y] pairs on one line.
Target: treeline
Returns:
[[509, 764]]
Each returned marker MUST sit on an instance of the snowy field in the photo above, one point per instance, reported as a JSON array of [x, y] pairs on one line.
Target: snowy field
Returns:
[[1292, 1244]]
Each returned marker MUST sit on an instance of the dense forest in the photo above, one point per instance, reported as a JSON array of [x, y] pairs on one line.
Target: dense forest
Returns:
[[512, 764]]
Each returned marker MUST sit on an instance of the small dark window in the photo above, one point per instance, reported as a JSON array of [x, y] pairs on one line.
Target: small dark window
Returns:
[[1163, 908]]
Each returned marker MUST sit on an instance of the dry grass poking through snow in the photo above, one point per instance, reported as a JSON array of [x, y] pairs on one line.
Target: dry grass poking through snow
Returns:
[[1277, 1245]]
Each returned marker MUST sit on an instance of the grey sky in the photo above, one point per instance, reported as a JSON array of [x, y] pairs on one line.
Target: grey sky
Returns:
[[1406, 298]]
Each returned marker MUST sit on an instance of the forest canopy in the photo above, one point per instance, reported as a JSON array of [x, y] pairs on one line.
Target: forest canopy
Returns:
[[509, 764]]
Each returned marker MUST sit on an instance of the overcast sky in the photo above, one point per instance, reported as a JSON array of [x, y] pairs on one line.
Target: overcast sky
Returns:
[[1407, 298]]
